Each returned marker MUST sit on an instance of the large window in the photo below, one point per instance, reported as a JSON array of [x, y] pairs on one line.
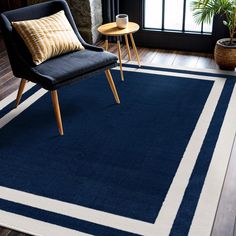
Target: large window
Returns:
[[169, 24], [172, 15]]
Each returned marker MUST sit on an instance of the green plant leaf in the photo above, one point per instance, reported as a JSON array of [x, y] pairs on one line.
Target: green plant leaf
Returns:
[[205, 10]]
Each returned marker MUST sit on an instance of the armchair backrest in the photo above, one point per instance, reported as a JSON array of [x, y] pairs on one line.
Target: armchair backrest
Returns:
[[18, 53]]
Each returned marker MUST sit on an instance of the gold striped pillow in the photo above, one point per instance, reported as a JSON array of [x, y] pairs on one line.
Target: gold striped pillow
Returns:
[[48, 37]]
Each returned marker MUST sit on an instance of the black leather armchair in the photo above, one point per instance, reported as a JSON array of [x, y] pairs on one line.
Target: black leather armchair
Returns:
[[58, 71]]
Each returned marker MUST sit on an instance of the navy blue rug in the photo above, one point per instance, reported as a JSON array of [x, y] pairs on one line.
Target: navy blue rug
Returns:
[[139, 168]]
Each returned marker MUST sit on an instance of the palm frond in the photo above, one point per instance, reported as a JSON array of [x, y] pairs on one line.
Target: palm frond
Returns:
[[204, 10]]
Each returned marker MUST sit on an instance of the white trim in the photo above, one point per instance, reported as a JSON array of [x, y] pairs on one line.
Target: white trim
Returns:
[[205, 213], [167, 73], [170, 67], [76, 211], [10, 98], [24, 105], [180, 182], [35, 227]]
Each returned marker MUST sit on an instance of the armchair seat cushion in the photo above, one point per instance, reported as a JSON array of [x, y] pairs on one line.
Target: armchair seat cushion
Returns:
[[70, 67]]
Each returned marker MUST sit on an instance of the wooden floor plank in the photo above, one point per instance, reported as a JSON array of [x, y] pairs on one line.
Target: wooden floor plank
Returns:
[[225, 217], [164, 57], [5, 65], [184, 59], [206, 61], [5, 78], [4, 232], [9, 88]]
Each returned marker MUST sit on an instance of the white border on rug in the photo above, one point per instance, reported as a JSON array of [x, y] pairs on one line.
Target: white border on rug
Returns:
[[22, 106], [166, 215], [167, 73], [205, 213], [10, 98], [174, 197], [170, 67], [35, 227]]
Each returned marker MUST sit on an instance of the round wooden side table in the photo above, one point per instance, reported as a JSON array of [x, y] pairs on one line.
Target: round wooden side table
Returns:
[[111, 29]]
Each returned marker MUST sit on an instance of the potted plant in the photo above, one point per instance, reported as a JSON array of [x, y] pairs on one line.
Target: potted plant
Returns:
[[225, 49]]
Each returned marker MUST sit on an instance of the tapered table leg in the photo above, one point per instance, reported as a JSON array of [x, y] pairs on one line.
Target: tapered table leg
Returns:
[[120, 59], [135, 49], [127, 47], [112, 85], [106, 45]]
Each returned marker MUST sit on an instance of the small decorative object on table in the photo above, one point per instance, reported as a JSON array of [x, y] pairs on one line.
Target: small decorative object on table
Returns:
[[112, 30], [122, 21]]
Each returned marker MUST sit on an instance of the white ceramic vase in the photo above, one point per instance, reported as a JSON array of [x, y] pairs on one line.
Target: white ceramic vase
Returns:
[[122, 21]]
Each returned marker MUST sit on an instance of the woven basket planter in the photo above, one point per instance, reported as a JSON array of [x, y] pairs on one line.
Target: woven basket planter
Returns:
[[225, 56]]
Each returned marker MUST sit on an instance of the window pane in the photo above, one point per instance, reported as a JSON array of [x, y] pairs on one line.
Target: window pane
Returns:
[[153, 14], [207, 28], [190, 24], [173, 14]]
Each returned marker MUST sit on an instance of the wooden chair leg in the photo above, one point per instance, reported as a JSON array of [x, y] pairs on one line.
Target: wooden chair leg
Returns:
[[112, 85], [57, 111], [20, 91]]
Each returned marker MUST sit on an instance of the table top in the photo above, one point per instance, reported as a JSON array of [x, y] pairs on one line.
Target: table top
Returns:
[[111, 29]]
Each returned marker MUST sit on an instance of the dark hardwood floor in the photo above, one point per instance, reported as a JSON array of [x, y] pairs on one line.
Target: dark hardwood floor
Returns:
[[224, 224], [8, 83]]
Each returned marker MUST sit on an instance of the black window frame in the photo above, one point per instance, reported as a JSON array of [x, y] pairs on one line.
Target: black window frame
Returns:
[[183, 30], [169, 39]]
